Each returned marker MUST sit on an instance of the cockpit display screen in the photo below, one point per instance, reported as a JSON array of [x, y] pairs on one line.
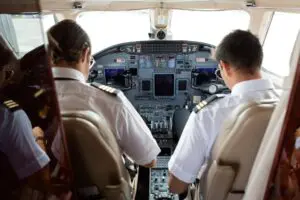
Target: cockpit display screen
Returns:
[[113, 74], [164, 85]]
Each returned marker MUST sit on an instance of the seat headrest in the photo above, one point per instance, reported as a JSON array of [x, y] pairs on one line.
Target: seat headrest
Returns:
[[94, 154], [85, 114], [238, 117], [96, 119]]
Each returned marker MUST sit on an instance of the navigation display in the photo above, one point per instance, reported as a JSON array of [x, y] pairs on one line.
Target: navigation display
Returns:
[[164, 85], [113, 75]]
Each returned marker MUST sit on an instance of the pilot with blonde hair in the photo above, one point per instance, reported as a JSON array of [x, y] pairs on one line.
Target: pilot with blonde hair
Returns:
[[240, 57]]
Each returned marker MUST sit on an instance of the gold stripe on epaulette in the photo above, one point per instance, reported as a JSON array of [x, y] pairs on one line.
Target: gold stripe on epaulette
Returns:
[[13, 106], [102, 87], [38, 93], [111, 90], [105, 87], [204, 102], [8, 101]]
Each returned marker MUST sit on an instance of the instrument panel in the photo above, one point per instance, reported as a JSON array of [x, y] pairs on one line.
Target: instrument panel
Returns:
[[158, 78], [156, 69]]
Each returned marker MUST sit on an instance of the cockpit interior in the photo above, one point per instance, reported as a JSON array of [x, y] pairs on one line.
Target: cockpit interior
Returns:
[[160, 54], [164, 80]]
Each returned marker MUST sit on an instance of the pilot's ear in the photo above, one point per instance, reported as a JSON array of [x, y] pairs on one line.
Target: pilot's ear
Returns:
[[225, 67], [85, 55]]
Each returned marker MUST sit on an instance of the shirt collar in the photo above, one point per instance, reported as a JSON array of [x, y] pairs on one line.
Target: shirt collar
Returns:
[[62, 72], [252, 85]]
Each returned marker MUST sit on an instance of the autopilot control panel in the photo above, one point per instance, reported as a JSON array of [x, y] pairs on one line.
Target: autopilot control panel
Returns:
[[160, 77]]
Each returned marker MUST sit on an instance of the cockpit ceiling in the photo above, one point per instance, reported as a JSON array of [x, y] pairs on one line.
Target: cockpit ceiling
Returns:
[[13, 6], [169, 4]]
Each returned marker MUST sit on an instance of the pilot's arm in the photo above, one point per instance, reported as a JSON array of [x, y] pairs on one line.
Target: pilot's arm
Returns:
[[191, 152], [135, 139], [18, 144]]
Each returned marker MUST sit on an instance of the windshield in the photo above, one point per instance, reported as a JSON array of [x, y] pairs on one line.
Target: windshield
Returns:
[[207, 26], [108, 28]]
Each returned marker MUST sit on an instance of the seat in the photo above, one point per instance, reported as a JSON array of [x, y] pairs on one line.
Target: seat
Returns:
[[261, 170], [234, 151], [95, 157]]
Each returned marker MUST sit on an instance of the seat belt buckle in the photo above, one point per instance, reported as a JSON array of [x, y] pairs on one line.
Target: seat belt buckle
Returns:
[[131, 167]]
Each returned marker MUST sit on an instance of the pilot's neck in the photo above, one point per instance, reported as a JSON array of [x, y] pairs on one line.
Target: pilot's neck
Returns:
[[79, 67], [244, 77]]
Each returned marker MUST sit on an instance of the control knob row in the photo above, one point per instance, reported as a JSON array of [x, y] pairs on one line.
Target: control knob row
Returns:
[[159, 124]]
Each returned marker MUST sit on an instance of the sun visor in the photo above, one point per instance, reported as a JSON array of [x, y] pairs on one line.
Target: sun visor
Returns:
[[19, 6]]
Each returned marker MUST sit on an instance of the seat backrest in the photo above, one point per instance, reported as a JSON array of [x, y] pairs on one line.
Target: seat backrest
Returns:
[[235, 149], [261, 170], [95, 156]]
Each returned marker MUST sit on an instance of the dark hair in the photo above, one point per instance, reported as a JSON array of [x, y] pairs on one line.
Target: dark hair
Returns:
[[67, 40], [241, 49], [6, 54]]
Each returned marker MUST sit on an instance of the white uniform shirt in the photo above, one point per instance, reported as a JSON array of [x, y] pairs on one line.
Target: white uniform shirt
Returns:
[[133, 135], [202, 128]]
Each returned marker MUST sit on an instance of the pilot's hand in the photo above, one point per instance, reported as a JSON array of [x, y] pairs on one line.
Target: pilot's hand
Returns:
[[38, 134]]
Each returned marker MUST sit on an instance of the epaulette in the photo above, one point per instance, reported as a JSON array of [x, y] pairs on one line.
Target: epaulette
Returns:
[[105, 88], [11, 105], [207, 101]]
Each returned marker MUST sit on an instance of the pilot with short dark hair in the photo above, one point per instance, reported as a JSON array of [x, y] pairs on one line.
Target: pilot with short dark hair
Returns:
[[70, 53], [240, 57]]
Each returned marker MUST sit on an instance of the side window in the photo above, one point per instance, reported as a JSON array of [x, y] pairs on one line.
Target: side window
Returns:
[[279, 43], [28, 40]]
